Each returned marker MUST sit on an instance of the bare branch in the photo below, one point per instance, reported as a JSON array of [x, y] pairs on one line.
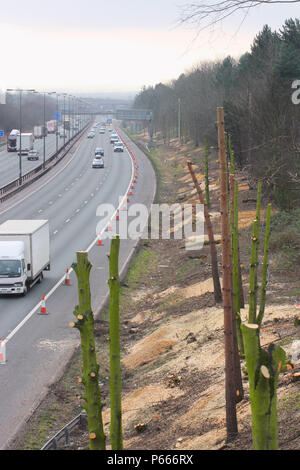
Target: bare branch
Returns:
[[208, 13]]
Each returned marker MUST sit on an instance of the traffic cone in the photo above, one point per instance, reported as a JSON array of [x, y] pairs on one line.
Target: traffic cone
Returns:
[[2, 352], [100, 242], [67, 278], [43, 310]]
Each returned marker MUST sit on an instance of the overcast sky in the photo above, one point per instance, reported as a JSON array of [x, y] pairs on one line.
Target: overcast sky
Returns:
[[101, 45]]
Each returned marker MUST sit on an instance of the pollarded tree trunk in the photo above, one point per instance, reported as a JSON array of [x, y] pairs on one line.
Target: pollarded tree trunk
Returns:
[[90, 367], [207, 196], [253, 288], [236, 268], [115, 361], [232, 180], [265, 269], [263, 368], [210, 233]]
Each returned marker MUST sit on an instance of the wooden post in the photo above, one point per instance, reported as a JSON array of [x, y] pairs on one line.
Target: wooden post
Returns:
[[212, 244], [230, 382]]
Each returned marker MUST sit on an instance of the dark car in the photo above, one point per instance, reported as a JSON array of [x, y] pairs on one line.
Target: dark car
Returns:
[[99, 151]]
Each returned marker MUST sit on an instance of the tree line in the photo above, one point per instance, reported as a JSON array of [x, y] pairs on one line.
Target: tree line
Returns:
[[32, 111], [256, 93]]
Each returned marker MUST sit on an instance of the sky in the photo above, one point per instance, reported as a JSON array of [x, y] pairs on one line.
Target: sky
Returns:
[[96, 46]]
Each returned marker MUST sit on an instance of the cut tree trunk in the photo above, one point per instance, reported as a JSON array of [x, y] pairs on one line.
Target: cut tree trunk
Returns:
[[90, 367], [115, 361]]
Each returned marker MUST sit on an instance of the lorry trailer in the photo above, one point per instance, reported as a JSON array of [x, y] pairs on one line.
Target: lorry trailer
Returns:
[[24, 254]]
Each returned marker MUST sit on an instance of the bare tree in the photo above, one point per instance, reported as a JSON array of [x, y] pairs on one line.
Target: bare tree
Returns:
[[204, 14]]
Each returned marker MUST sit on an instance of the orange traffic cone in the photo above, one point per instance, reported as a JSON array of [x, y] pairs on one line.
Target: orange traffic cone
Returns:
[[67, 278], [2, 353], [43, 310]]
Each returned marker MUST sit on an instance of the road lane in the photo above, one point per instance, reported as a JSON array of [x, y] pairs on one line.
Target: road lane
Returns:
[[39, 350], [59, 202], [9, 161]]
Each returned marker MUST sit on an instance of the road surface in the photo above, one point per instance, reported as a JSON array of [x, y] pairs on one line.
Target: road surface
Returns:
[[38, 349], [9, 161]]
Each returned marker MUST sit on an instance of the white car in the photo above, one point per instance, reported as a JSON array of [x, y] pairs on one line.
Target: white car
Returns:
[[114, 139], [118, 147]]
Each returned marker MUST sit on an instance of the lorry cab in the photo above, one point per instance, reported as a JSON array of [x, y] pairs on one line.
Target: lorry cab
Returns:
[[13, 271]]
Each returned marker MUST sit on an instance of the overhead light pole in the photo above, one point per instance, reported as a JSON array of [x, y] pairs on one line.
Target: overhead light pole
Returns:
[[57, 113], [20, 90], [49, 93], [44, 93], [64, 112]]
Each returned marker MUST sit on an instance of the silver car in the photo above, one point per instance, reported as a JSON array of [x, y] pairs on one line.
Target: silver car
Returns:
[[98, 163], [33, 155]]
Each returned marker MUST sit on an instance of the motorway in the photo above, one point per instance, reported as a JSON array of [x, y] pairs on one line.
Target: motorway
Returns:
[[9, 161], [39, 347]]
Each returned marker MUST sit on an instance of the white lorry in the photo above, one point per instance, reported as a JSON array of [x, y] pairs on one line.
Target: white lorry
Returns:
[[38, 132], [27, 141], [51, 127], [24, 254]]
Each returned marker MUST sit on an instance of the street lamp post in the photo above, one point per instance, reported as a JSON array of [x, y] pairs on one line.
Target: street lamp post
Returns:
[[56, 130], [64, 121], [20, 124], [44, 93], [69, 117]]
